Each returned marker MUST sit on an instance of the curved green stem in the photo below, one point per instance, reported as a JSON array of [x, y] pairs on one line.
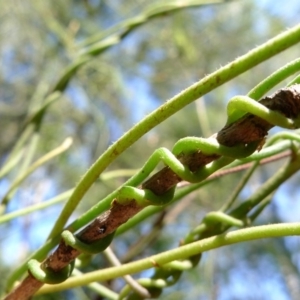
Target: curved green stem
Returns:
[[207, 84], [93, 248], [47, 275], [224, 74], [134, 285], [239, 187], [148, 211], [183, 252], [278, 76], [218, 216], [240, 105], [294, 81]]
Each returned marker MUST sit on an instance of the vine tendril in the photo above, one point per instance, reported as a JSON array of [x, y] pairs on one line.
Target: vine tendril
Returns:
[[217, 150], [47, 275]]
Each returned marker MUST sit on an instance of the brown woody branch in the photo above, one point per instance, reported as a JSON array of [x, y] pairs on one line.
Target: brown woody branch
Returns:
[[248, 129]]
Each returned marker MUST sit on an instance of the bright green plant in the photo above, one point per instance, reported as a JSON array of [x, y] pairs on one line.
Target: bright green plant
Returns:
[[141, 196]]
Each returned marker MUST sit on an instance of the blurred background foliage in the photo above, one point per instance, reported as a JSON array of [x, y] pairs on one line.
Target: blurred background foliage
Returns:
[[109, 94]]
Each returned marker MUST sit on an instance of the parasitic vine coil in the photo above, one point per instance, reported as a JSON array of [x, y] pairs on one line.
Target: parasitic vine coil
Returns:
[[192, 159]]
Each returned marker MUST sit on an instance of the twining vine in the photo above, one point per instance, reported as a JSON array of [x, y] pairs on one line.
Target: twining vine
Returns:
[[192, 159]]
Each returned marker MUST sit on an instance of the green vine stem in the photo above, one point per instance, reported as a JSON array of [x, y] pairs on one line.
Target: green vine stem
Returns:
[[224, 74], [213, 167], [153, 11], [217, 78], [181, 253], [282, 135], [100, 289], [134, 285], [62, 197], [216, 223], [271, 81], [85, 55], [131, 200], [263, 157], [240, 212], [243, 181]]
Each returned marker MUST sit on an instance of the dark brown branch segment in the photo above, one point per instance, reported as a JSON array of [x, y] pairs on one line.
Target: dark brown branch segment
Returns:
[[248, 129]]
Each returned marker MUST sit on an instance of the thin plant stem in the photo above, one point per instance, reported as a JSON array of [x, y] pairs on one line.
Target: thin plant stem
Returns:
[[10, 216], [208, 83], [130, 281], [98, 288], [183, 252], [275, 78], [239, 187], [30, 127], [63, 147]]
